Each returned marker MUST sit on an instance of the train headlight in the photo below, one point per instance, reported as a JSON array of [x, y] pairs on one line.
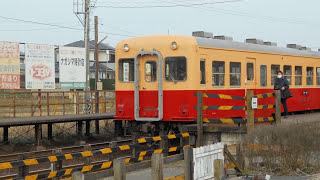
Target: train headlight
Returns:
[[126, 47], [174, 45]]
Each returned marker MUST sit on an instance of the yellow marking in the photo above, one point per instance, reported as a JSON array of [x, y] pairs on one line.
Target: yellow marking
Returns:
[[68, 171], [225, 108], [52, 158], [257, 147], [185, 134], [222, 96], [143, 153], [205, 95], [180, 177], [127, 160], [52, 174], [157, 138], [270, 106], [270, 118], [142, 140], [106, 151], [227, 121], [158, 151], [29, 162], [140, 158], [206, 120], [260, 120], [270, 94], [86, 153], [106, 165], [5, 165], [205, 107], [86, 168], [259, 96], [125, 147], [231, 165], [173, 149], [32, 177], [173, 136], [68, 156]]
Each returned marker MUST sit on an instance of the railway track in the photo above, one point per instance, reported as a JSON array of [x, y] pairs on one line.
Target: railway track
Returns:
[[68, 149]]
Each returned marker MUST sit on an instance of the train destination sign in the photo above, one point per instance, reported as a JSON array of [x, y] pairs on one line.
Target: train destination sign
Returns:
[[9, 65], [40, 70], [72, 67]]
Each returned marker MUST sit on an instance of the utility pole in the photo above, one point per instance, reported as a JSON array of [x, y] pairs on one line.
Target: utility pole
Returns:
[[97, 69], [87, 107]]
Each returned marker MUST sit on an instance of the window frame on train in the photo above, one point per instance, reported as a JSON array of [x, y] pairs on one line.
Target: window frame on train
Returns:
[[214, 73], [309, 76], [235, 73], [121, 72], [169, 58], [318, 76], [251, 63], [203, 71], [152, 72], [287, 75], [265, 80], [297, 75], [274, 72]]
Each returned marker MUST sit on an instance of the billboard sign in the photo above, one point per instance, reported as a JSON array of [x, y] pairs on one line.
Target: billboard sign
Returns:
[[72, 67], [40, 71], [9, 65]]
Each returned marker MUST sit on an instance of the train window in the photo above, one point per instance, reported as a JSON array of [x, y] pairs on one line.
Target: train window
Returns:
[[235, 74], [151, 71], [318, 75], [263, 75], [298, 75], [175, 68], [218, 71], [287, 73], [126, 70], [250, 72], [203, 72], [310, 76], [274, 71]]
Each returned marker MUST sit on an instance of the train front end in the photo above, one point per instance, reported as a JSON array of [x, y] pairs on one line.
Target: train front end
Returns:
[[155, 79]]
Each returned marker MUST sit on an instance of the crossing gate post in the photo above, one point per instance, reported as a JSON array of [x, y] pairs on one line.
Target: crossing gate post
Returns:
[[277, 102], [188, 163], [250, 112], [87, 160], [22, 170], [199, 117], [157, 166], [119, 169], [56, 166]]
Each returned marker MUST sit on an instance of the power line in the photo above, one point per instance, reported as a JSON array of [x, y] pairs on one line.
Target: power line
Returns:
[[169, 6], [54, 25]]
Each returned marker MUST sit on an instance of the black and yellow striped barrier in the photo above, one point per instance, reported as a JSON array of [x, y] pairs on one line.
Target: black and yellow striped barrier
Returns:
[[224, 108], [150, 152], [259, 96], [180, 177], [68, 172], [268, 106], [222, 96], [159, 138], [36, 161], [226, 120], [264, 119]]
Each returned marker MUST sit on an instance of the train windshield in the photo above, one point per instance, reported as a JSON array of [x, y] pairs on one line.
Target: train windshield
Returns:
[[176, 69]]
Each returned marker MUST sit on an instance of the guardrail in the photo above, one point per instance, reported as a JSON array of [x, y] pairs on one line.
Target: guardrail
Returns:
[[56, 160], [250, 118]]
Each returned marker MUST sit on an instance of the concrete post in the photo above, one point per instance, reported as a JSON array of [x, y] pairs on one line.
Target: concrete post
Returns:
[[157, 166], [119, 169]]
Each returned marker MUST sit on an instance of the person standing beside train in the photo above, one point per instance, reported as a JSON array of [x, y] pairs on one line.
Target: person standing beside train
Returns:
[[282, 84]]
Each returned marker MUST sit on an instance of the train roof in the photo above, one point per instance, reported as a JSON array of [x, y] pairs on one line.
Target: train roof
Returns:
[[229, 44]]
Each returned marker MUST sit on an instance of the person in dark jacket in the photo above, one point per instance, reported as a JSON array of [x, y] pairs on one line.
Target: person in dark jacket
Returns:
[[282, 84]]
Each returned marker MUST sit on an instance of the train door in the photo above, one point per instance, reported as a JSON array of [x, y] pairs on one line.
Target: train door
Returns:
[[250, 79], [148, 92]]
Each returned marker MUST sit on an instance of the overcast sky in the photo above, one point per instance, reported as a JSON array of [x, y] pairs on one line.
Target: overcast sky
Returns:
[[281, 21]]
